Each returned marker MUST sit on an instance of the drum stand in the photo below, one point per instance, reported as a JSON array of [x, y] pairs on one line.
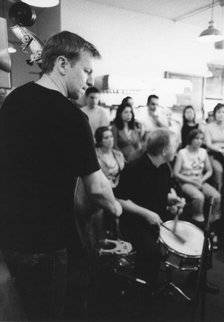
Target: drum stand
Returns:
[[200, 290], [169, 286]]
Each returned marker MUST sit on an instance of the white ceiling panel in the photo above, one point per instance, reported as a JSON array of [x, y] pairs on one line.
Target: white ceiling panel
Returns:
[[195, 12]]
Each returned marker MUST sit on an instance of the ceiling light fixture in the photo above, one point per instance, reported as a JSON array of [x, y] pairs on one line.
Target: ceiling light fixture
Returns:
[[42, 3], [211, 34], [220, 44]]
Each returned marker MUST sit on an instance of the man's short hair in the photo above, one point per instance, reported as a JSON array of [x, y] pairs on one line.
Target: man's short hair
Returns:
[[66, 44], [91, 90], [150, 97], [158, 140]]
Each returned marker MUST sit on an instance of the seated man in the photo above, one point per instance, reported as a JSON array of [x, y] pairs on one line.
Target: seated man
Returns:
[[148, 199]]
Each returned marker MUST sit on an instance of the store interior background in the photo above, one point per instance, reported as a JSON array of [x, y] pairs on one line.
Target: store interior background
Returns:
[[141, 45]]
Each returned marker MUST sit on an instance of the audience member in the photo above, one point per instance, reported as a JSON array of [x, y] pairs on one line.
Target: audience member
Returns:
[[193, 168], [189, 123], [97, 115], [149, 115], [214, 140], [210, 117], [128, 100], [127, 134], [110, 160]]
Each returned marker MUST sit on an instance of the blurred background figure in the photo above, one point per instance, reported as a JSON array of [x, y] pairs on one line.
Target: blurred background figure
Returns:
[[128, 100], [210, 117], [189, 123], [110, 160], [97, 115], [192, 168], [126, 132], [214, 140]]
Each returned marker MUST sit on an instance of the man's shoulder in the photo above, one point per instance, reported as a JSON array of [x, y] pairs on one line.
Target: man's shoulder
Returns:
[[136, 164]]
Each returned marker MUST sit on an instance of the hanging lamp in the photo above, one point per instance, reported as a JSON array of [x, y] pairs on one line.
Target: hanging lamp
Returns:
[[211, 34], [220, 44], [42, 3]]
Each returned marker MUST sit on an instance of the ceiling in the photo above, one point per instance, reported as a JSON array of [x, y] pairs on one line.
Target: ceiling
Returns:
[[193, 12]]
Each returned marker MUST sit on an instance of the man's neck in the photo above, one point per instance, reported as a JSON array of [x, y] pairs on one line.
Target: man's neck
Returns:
[[52, 82], [156, 160]]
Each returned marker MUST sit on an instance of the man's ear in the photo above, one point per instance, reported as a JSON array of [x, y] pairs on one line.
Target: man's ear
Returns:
[[164, 152], [62, 64]]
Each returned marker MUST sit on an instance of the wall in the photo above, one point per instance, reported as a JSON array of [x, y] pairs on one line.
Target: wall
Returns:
[[134, 44], [47, 23]]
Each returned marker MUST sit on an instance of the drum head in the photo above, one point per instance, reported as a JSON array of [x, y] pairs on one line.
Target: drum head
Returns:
[[193, 236]]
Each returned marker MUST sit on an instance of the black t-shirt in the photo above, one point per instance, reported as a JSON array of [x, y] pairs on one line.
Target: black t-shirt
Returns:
[[45, 143], [146, 185]]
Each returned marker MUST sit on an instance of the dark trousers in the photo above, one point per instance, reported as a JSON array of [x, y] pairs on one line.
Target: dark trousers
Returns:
[[143, 238], [41, 281]]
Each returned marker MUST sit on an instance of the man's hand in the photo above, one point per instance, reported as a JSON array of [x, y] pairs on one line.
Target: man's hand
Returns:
[[152, 218], [175, 203]]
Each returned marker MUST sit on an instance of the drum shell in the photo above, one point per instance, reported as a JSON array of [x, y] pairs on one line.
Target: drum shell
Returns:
[[177, 261], [182, 256]]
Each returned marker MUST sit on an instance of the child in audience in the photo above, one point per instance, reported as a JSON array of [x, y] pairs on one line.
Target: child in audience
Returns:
[[192, 168], [189, 123]]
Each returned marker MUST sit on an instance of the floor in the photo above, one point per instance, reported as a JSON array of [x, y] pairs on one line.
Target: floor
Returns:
[[117, 297]]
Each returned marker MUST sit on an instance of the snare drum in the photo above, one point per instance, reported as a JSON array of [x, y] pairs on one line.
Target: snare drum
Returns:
[[181, 255]]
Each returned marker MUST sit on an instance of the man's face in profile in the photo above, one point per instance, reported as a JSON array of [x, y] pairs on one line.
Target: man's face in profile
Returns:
[[153, 104]]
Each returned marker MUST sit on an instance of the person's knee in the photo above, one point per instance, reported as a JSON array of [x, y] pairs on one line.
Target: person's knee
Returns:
[[217, 197], [200, 198]]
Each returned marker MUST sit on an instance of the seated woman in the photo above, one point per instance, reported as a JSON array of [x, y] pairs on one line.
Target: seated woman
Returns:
[[127, 134], [110, 160], [193, 168], [214, 140], [189, 123]]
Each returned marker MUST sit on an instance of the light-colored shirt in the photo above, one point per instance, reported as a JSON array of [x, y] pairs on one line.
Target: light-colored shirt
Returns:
[[216, 134], [193, 163], [151, 121], [97, 117]]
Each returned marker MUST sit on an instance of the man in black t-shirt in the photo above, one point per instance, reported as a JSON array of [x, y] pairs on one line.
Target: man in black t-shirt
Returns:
[[148, 199], [45, 143]]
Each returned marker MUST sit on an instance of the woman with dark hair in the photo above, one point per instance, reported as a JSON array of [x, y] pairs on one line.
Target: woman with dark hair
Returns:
[[192, 168], [189, 123], [214, 140], [128, 100], [127, 137], [110, 160]]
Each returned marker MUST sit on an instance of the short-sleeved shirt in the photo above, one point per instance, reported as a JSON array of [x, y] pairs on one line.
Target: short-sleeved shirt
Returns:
[[193, 164], [146, 185], [216, 134], [45, 143], [97, 117]]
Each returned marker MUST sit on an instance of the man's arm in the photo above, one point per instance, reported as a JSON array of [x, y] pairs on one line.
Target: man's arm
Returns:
[[151, 217], [99, 189]]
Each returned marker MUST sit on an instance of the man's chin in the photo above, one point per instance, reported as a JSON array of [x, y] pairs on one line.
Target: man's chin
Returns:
[[75, 96]]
